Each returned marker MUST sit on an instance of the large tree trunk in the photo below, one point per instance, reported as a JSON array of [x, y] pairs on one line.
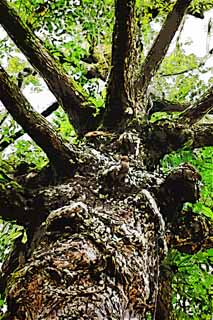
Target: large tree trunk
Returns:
[[98, 252], [95, 258]]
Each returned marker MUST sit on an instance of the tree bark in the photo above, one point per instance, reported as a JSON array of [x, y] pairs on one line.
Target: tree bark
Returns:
[[196, 112], [120, 102], [99, 251]]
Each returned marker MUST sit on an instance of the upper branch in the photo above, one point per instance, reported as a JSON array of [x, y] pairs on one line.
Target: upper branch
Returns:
[[196, 112], [14, 136], [161, 44], [121, 83], [38, 128], [166, 106], [203, 135], [69, 95], [163, 137]]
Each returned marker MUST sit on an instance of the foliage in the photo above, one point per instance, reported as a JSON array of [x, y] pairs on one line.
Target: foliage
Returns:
[[70, 29], [197, 6], [8, 128], [193, 280], [27, 151], [9, 232], [63, 126], [179, 79], [192, 285]]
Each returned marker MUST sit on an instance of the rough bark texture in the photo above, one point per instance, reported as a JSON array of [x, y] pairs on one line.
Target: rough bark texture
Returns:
[[98, 252], [196, 112], [121, 92], [85, 261], [87, 266]]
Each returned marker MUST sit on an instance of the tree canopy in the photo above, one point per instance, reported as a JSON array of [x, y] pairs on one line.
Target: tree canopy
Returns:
[[128, 137]]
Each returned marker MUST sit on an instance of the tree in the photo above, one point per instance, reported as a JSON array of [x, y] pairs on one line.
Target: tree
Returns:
[[100, 216]]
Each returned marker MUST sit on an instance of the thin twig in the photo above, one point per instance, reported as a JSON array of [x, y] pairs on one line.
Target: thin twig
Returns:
[[4, 117]]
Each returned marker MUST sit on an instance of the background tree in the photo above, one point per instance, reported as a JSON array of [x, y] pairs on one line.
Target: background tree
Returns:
[[95, 206]]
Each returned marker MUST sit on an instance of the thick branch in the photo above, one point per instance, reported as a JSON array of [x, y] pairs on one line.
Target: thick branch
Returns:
[[29, 205], [121, 89], [187, 231], [162, 138], [203, 135], [68, 94], [191, 233], [161, 44], [180, 186], [38, 128], [196, 112], [166, 105], [21, 132]]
